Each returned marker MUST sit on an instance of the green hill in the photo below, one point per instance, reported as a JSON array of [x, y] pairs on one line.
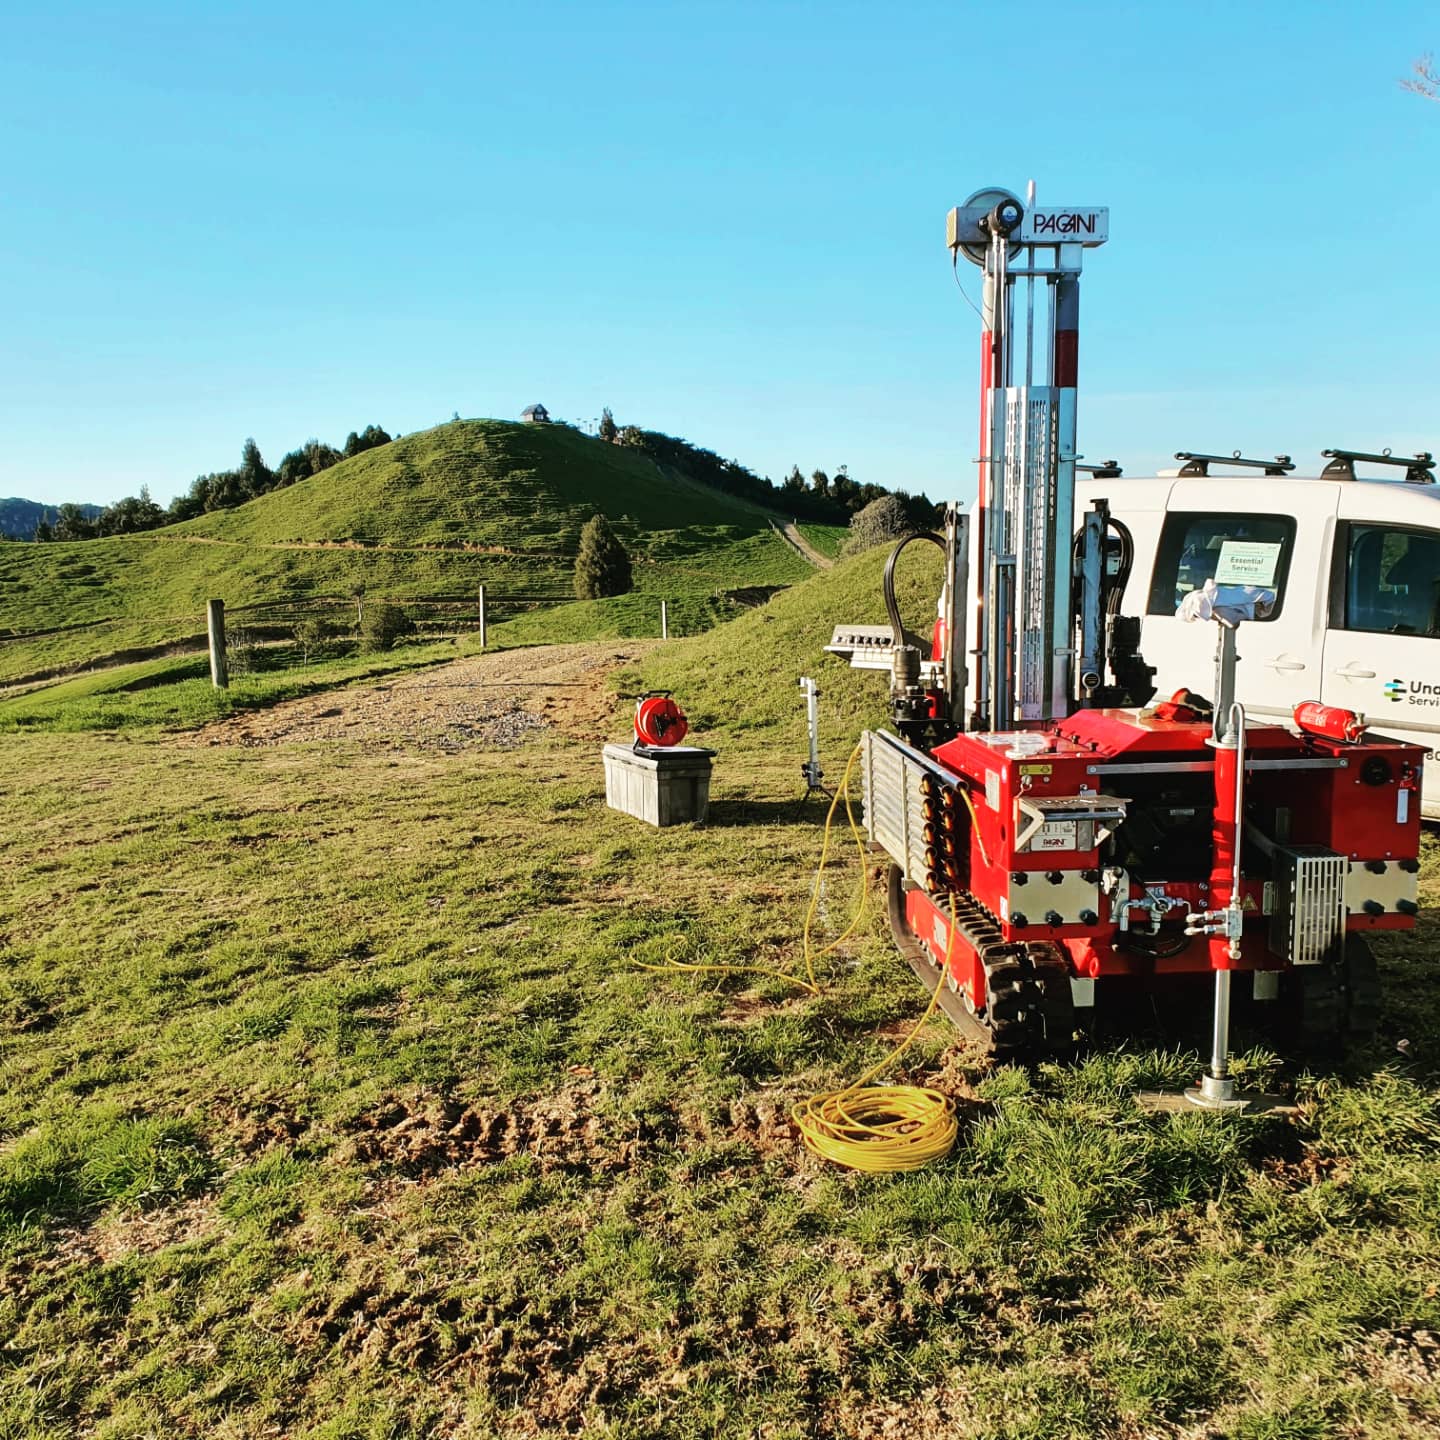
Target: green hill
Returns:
[[434, 514]]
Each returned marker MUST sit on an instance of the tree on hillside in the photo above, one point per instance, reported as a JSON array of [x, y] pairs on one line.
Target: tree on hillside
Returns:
[[256, 477], [310, 634], [845, 490], [794, 483], [222, 491], [382, 625], [149, 515], [609, 430], [71, 524], [924, 513], [820, 483], [310, 459], [192, 502], [370, 437], [131, 515], [294, 466], [602, 567]]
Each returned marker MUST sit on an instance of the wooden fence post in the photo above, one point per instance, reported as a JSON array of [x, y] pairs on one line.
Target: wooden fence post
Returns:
[[482, 617], [215, 624], [664, 621]]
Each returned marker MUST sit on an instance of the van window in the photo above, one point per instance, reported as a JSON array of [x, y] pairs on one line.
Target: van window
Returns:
[[1190, 549], [1392, 581]]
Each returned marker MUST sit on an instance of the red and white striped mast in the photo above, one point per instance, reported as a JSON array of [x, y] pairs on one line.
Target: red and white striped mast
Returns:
[[1021, 577]]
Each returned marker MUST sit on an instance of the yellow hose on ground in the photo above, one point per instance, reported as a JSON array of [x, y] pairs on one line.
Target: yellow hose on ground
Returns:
[[807, 982], [876, 1129]]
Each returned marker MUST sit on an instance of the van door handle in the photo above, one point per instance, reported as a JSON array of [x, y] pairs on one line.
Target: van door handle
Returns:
[[1281, 663], [1354, 672]]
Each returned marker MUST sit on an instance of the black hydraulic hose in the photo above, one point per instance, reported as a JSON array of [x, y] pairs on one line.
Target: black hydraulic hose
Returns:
[[1131, 941], [888, 584], [1114, 588], [1115, 593]]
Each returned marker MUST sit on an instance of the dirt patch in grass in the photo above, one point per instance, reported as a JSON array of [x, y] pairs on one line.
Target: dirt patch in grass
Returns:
[[958, 1070], [1406, 1362], [122, 1234], [764, 1125], [936, 1413], [492, 701], [24, 1012], [405, 1326], [557, 1377], [1310, 1167], [741, 1009], [253, 1127], [421, 1139]]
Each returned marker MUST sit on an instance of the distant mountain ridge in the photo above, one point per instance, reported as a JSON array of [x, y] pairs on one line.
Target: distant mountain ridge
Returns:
[[18, 518]]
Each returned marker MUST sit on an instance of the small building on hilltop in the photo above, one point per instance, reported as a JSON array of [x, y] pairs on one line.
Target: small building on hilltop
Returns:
[[535, 414]]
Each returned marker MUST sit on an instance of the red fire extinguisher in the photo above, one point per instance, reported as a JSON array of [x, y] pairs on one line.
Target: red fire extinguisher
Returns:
[[1330, 721]]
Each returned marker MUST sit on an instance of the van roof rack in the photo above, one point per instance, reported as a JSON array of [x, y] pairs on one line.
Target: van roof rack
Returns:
[[1196, 464], [1419, 468], [1105, 470]]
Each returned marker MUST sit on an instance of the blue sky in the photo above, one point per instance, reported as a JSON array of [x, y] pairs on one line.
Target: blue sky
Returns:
[[725, 221]]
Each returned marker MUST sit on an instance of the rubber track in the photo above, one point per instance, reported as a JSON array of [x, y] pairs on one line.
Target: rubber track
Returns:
[[1333, 1007], [1029, 1014], [1362, 983]]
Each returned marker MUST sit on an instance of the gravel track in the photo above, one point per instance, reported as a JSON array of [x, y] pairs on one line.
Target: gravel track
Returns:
[[491, 701]]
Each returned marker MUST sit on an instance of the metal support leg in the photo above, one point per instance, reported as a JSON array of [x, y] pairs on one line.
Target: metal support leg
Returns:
[[1224, 926], [1216, 1090], [814, 776]]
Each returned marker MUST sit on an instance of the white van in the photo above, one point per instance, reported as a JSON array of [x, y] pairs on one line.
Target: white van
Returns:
[[1357, 624]]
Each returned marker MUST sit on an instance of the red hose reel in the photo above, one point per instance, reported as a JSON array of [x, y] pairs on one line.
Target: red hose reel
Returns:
[[659, 721]]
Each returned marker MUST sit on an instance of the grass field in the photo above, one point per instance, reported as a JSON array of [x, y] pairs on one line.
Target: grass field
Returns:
[[177, 693], [436, 513], [827, 539], [335, 1103]]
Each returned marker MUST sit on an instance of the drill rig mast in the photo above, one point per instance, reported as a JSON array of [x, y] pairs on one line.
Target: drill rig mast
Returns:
[[1027, 437], [1048, 835]]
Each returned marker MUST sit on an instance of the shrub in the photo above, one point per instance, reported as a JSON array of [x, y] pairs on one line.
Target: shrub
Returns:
[[884, 519], [382, 625], [310, 634], [242, 650]]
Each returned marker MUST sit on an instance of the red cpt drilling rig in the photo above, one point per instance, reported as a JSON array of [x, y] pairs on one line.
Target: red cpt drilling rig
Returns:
[[1077, 837]]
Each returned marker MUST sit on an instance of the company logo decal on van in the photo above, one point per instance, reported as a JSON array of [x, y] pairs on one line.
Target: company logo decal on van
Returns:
[[1417, 692]]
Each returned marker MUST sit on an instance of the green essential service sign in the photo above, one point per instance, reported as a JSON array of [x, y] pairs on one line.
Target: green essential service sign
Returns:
[[1248, 562]]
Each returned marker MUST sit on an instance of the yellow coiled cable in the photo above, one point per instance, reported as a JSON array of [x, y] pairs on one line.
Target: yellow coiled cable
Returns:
[[879, 1129]]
